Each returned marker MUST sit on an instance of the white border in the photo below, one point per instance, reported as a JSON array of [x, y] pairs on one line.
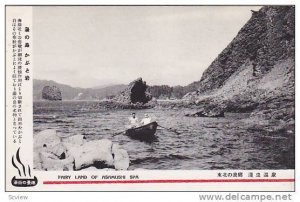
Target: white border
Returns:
[[130, 196]]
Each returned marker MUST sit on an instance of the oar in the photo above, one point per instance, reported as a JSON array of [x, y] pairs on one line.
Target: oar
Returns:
[[169, 129], [119, 133]]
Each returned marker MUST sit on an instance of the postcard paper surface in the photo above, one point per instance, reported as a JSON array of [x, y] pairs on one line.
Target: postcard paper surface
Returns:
[[150, 98]]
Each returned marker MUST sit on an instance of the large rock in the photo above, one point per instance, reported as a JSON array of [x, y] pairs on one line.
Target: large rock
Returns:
[[121, 158], [255, 72], [100, 153], [268, 37], [46, 138], [75, 139], [97, 153], [51, 93], [55, 152], [41, 141], [134, 93], [50, 161]]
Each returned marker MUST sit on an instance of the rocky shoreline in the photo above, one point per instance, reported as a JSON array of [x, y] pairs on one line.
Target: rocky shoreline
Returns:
[[54, 151], [254, 74]]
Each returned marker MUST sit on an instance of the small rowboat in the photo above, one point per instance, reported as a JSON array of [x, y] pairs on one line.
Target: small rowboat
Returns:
[[143, 133]]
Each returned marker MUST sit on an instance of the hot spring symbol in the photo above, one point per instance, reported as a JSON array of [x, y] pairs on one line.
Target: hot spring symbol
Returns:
[[24, 179]]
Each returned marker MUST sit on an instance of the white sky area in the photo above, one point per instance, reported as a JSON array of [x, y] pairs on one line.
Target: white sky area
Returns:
[[103, 45]]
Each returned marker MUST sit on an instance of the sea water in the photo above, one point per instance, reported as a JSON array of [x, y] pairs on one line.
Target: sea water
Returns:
[[231, 142]]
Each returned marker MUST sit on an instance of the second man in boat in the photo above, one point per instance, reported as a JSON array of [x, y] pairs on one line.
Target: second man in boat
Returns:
[[134, 123], [146, 120]]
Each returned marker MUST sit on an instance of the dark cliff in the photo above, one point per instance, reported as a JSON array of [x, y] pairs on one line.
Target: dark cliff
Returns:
[[256, 71], [268, 37]]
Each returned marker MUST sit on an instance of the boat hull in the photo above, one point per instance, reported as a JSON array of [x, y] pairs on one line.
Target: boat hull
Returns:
[[143, 133]]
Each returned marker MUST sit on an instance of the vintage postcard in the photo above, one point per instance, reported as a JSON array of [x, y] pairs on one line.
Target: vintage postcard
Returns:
[[150, 98]]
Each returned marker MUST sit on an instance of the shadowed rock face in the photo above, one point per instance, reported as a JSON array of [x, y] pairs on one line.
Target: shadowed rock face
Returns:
[[138, 91], [51, 93], [269, 36], [134, 93], [256, 71]]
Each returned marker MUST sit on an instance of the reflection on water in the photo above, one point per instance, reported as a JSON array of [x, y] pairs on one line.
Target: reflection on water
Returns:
[[203, 143]]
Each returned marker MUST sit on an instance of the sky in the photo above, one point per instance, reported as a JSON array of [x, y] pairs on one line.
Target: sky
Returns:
[[103, 45]]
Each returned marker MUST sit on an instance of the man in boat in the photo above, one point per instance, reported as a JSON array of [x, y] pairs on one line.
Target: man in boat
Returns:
[[146, 120], [134, 122]]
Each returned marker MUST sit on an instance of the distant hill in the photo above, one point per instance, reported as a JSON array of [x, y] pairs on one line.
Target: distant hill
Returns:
[[76, 93], [110, 90], [101, 92]]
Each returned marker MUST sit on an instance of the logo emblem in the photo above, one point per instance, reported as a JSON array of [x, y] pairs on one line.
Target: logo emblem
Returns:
[[24, 179]]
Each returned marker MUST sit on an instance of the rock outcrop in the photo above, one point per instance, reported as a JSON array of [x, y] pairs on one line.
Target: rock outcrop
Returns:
[[268, 37], [256, 71], [204, 112], [135, 93], [51, 93], [56, 152]]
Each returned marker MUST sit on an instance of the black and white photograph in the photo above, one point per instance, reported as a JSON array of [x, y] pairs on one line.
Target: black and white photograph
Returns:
[[150, 98], [164, 87]]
